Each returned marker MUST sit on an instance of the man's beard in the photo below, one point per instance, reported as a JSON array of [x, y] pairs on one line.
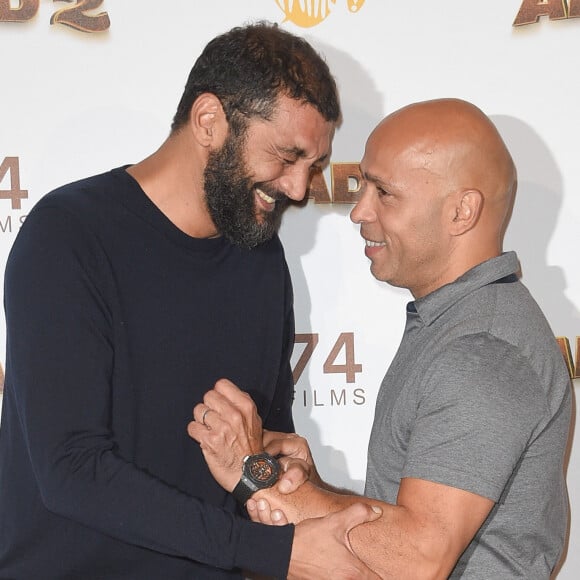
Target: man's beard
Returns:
[[230, 197]]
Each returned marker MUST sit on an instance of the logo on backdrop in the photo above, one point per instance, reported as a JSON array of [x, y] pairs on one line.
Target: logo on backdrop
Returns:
[[340, 361], [308, 13], [564, 344], [11, 192], [345, 184], [74, 16], [531, 10]]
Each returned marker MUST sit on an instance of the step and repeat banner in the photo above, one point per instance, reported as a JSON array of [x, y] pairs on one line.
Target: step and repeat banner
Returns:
[[88, 85]]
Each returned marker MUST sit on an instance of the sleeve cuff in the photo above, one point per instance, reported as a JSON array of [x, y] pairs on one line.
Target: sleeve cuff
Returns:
[[265, 549]]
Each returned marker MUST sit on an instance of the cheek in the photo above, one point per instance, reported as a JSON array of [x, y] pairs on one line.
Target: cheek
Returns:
[[426, 237], [265, 172]]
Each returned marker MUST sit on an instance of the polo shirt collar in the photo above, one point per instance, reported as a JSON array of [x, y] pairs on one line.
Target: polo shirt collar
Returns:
[[430, 307]]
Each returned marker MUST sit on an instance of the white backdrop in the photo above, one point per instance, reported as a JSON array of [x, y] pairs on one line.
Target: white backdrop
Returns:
[[89, 85]]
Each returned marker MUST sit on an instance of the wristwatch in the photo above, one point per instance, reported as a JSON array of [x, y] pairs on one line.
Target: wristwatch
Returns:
[[259, 471]]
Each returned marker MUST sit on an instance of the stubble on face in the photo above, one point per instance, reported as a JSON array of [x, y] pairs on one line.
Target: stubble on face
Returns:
[[230, 197]]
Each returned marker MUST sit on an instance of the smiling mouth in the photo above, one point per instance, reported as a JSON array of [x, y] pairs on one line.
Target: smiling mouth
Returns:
[[373, 244], [265, 196]]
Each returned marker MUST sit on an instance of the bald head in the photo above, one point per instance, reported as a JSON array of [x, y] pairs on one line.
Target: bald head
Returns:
[[458, 144], [439, 185]]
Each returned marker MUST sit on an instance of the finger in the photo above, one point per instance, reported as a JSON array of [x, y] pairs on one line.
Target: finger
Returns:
[[270, 436], [203, 434], [198, 411], [222, 405], [252, 509], [243, 417], [295, 473], [234, 394], [266, 515], [264, 511], [259, 511], [212, 432], [290, 445], [279, 518], [208, 440], [194, 430]]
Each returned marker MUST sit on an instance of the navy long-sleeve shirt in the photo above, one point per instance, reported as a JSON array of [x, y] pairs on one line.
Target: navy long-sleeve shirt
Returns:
[[117, 324]]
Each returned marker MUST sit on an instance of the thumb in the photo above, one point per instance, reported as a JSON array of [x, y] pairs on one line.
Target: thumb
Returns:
[[356, 514]]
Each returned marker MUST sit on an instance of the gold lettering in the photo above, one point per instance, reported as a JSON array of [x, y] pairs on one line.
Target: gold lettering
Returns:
[[564, 345], [317, 189], [346, 182], [573, 8], [531, 10], [75, 17], [25, 11]]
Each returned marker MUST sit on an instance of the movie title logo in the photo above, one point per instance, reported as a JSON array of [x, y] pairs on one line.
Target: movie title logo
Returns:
[[531, 10], [308, 13], [77, 16]]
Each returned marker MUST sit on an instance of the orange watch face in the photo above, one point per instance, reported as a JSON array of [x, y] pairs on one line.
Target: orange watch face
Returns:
[[261, 469]]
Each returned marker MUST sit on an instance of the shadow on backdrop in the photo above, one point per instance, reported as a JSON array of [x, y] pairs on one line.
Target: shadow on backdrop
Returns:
[[362, 107], [533, 223]]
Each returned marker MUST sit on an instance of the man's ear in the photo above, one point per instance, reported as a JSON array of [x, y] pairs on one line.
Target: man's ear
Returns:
[[466, 211], [207, 121]]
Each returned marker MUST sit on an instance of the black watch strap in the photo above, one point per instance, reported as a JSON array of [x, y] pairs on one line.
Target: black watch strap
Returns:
[[244, 490]]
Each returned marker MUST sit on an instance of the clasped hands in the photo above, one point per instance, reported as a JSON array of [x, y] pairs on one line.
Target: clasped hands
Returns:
[[228, 428]]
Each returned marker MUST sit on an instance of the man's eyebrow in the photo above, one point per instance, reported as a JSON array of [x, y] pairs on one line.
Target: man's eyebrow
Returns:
[[376, 180], [370, 177]]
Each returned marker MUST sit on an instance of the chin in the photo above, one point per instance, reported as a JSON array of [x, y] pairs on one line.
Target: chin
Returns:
[[382, 276]]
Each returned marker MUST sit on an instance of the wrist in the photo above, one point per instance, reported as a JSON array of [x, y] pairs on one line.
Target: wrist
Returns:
[[259, 471]]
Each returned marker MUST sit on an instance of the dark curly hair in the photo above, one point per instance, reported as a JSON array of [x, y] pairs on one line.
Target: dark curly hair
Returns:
[[249, 67]]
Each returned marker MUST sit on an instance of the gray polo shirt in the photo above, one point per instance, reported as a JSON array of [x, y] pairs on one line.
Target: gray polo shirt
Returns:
[[478, 397]]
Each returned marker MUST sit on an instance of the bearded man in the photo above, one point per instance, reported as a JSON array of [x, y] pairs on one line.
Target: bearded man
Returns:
[[128, 294]]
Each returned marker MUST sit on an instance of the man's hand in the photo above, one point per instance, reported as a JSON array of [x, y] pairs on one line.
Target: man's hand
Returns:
[[227, 427], [295, 458], [322, 550]]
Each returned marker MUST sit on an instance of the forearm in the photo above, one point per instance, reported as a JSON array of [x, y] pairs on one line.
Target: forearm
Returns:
[[397, 545], [307, 502]]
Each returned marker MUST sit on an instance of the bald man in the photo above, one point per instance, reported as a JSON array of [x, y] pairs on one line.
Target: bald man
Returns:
[[466, 455]]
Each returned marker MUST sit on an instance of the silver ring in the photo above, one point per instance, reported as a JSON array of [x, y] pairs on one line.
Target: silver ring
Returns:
[[204, 414]]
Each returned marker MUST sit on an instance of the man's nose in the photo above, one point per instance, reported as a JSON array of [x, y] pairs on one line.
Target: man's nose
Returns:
[[363, 210], [295, 183]]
